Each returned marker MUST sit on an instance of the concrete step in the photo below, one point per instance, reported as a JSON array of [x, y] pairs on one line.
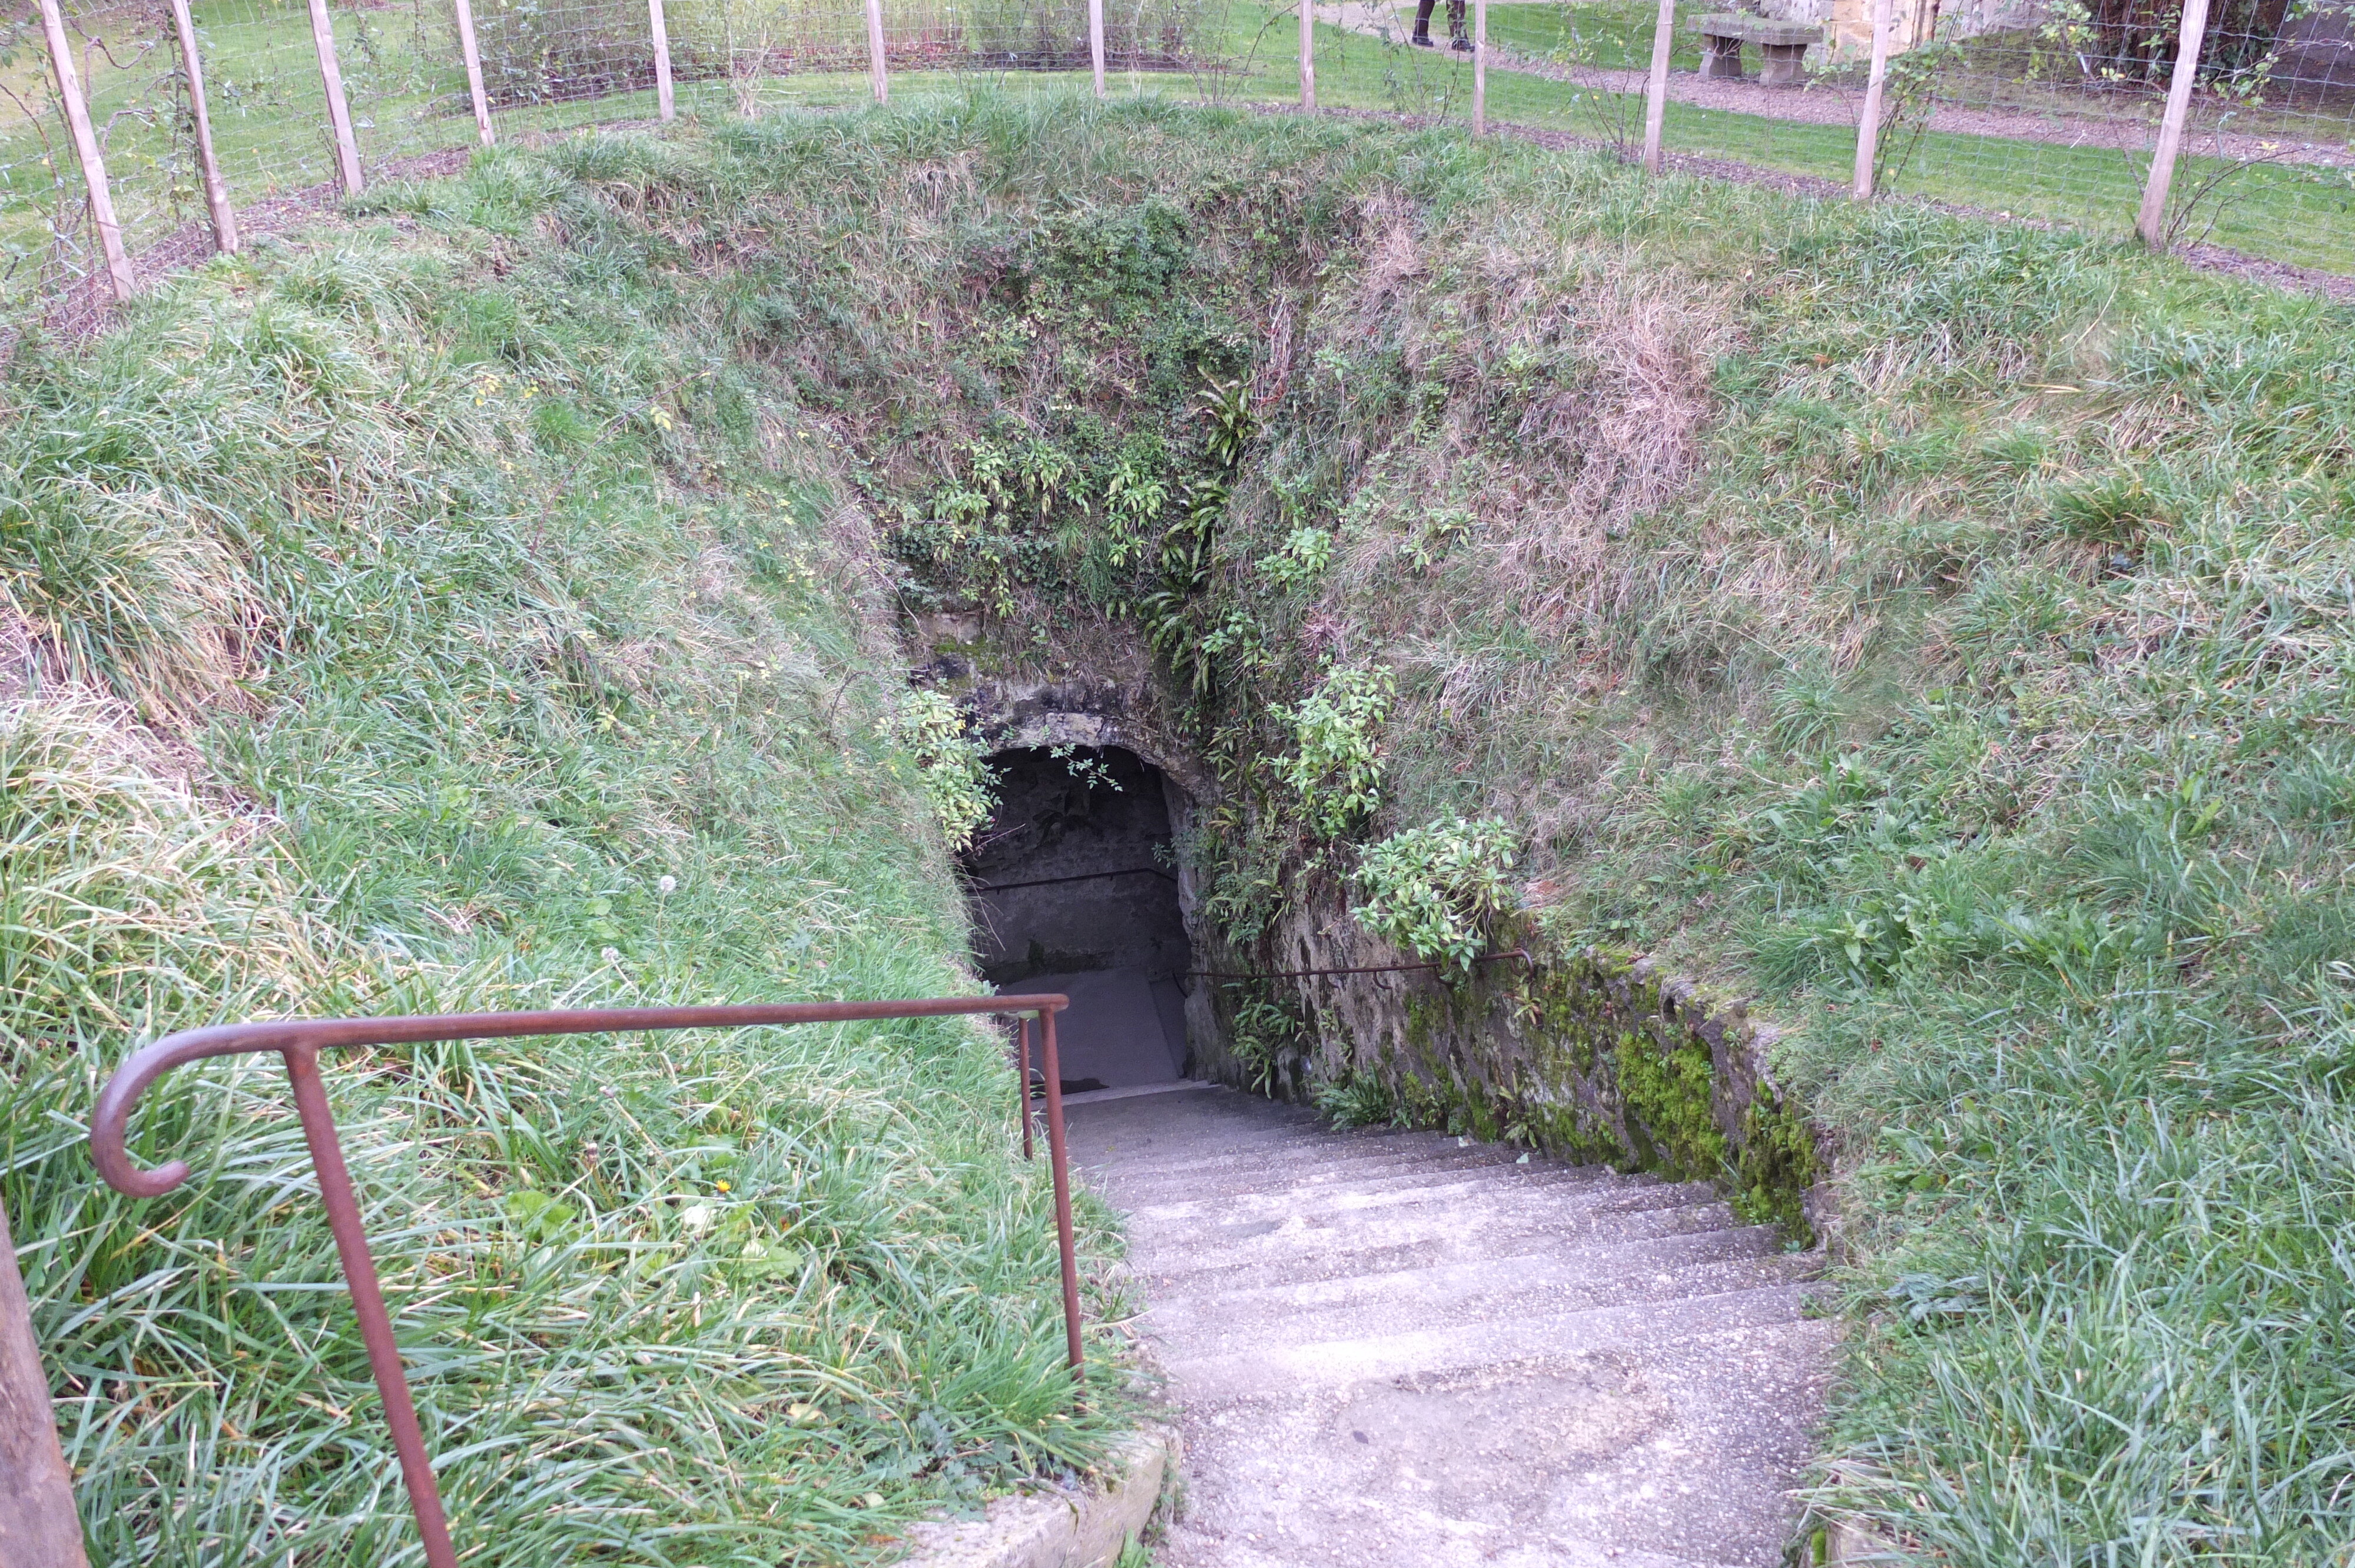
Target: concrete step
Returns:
[[1139, 1121], [1274, 1371], [1146, 1153], [1278, 1256], [1282, 1172], [1184, 1095], [1706, 1263], [1324, 1543], [1283, 1165], [1404, 1175], [1514, 1186], [1177, 1237], [1675, 1452]]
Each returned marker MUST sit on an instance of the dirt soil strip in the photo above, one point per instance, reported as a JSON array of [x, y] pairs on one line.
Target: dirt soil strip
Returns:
[[1828, 101]]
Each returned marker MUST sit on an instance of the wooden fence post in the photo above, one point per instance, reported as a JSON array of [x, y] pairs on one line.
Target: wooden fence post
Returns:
[[93, 162], [875, 51], [1876, 86], [1480, 68], [474, 58], [2151, 222], [1308, 54], [339, 112], [216, 191], [1096, 41], [1656, 90], [38, 1528], [665, 96]]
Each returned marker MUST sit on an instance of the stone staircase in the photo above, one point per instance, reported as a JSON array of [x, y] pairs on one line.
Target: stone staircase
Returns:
[[1404, 1349]]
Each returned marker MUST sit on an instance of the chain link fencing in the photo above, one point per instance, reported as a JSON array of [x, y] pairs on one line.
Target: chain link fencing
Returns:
[[2050, 110]]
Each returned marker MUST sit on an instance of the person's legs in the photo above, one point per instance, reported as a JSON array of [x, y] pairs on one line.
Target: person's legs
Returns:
[[1423, 22], [1462, 40]]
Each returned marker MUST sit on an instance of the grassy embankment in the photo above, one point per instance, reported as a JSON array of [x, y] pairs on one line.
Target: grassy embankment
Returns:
[[430, 617], [1936, 631]]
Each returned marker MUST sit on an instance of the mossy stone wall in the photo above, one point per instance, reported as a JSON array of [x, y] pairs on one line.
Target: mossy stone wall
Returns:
[[1582, 1054]]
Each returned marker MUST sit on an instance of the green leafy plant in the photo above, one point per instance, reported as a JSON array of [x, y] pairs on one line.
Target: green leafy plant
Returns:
[[1226, 407], [1436, 533], [1357, 1099], [1173, 617], [1267, 1043], [949, 764], [1434, 890], [1336, 768], [1307, 553], [987, 526], [1090, 771], [1135, 494]]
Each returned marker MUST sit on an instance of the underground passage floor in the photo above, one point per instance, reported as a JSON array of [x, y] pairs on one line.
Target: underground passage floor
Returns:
[[1074, 890]]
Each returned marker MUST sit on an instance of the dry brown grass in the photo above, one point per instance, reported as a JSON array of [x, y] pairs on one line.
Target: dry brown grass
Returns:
[[1621, 439]]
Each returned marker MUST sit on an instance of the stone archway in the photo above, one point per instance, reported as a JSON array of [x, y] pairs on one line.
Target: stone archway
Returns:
[[1091, 715]]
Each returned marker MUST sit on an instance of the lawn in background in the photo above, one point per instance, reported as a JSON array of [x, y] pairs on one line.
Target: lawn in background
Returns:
[[409, 98]]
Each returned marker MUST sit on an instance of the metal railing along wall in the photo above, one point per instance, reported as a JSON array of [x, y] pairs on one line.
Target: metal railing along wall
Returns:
[[301, 1041]]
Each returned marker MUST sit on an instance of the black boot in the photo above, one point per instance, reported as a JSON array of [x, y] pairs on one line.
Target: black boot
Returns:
[[1422, 38]]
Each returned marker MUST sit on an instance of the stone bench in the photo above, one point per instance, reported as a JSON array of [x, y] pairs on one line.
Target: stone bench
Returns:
[[1782, 47]]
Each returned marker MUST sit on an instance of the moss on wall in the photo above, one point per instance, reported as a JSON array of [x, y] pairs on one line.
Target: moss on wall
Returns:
[[1587, 1055]]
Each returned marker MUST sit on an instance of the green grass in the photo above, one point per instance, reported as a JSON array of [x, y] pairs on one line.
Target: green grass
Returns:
[[1932, 631], [409, 99], [440, 620], [2287, 212]]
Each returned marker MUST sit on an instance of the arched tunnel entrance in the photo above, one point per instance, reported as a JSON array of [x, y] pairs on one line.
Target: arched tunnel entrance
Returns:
[[1074, 889]]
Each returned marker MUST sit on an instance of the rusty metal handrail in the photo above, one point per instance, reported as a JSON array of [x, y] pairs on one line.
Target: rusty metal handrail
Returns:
[[301, 1041]]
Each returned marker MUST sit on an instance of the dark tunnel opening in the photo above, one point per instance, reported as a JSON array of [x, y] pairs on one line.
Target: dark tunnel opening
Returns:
[[1074, 889]]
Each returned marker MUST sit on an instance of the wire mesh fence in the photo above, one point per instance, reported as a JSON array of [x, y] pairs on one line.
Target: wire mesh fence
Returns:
[[2058, 115], [205, 114], [2050, 110]]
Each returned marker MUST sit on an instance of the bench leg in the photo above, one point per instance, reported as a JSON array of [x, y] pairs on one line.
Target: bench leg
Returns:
[[1721, 58], [1784, 65]]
